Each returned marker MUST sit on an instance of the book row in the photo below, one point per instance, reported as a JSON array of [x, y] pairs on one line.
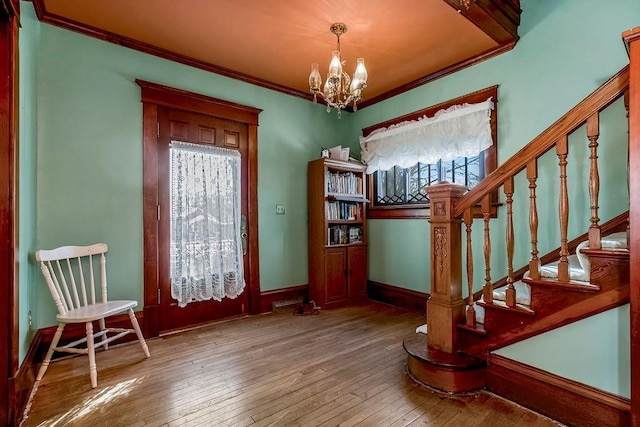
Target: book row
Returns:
[[343, 235], [344, 211], [344, 182]]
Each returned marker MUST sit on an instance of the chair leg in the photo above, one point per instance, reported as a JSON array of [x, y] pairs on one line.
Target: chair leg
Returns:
[[136, 327], [104, 337], [47, 359], [93, 371]]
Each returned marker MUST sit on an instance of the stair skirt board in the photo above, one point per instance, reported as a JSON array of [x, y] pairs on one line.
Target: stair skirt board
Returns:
[[562, 399], [447, 372]]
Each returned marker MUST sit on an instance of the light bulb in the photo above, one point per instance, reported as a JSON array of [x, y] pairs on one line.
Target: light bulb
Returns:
[[335, 68], [361, 73], [355, 85], [315, 80]]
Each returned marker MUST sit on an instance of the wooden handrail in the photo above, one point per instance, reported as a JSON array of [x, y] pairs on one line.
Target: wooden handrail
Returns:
[[601, 98]]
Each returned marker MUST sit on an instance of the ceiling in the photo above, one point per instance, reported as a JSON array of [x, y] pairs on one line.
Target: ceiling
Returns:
[[272, 43]]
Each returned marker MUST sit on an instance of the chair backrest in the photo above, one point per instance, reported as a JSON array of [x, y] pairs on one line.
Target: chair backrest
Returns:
[[62, 267]]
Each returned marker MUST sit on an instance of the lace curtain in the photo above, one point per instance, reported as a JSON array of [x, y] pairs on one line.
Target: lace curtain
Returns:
[[459, 131], [206, 247]]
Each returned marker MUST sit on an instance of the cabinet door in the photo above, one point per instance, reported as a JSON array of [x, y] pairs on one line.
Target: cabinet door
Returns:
[[357, 265], [335, 267]]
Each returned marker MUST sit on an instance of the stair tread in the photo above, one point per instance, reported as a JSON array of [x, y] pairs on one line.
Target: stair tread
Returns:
[[607, 253], [572, 285], [523, 293], [501, 305], [417, 347], [479, 329]]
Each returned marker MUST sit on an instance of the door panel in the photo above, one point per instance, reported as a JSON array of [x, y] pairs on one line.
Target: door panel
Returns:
[[177, 125], [357, 263], [335, 269]]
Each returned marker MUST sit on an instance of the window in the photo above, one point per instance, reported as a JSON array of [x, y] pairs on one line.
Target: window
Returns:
[[399, 192], [405, 186]]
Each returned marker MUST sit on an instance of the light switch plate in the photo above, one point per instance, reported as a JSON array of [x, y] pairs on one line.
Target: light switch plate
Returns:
[[279, 209]]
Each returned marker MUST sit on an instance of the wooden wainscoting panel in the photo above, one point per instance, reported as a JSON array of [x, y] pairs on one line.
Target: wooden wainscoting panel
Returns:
[[562, 399], [396, 296]]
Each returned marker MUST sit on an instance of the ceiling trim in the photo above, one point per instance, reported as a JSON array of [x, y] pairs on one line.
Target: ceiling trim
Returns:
[[499, 19]]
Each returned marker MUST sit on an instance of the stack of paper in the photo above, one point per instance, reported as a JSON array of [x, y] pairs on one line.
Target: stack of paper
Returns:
[[339, 153]]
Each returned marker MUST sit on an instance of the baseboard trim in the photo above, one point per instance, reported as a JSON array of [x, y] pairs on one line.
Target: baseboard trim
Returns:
[[396, 296], [25, 379], [564, 400], [267, 298]]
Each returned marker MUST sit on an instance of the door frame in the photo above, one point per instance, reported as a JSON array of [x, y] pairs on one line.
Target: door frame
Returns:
[[153, 96], [10, 403]]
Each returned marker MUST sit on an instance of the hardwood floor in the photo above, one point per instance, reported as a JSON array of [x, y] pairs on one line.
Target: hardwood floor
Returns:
[[341, 367]]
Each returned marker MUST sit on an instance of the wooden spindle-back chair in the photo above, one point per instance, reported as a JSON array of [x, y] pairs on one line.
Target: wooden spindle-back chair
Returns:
[[80, 298]]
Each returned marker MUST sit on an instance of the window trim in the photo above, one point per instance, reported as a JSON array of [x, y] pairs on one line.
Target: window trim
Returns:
[[490, 158]]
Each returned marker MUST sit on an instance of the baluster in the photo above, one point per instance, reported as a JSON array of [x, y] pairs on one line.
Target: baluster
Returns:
[[511, 290], [471, 313], [593, 131], [487, 289], [534, 262], [562, 150], [626, 107]]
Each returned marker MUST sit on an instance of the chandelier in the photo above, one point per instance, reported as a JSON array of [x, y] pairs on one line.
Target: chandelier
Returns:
[[339, 90]]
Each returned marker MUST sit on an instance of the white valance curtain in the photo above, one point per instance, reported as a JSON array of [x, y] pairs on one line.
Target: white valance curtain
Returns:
[[206, 245], [459, 131]]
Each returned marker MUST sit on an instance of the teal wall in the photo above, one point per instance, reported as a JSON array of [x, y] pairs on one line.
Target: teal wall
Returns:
[[89, 155], [28, 128], [593, 351]]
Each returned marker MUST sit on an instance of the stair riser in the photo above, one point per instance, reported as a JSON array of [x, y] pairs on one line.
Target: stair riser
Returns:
[[609, 273], [497, 321], [548, 300]]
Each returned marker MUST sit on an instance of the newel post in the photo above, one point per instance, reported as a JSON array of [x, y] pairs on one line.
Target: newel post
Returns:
[[445, 307]]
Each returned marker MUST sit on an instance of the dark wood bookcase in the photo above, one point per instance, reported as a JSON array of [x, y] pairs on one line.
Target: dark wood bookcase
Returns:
[[337, 232]]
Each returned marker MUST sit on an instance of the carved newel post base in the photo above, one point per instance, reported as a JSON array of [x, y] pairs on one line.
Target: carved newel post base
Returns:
[[445, 307]]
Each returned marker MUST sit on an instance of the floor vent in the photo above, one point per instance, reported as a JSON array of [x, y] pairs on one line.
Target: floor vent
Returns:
[[286, 304]]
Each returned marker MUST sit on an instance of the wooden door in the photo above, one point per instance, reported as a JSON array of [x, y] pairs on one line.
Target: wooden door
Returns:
[[357, 265], [178, 125], [335, 265]]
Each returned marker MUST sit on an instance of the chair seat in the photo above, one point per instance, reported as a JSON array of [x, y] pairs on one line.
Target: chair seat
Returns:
[[96, 311]]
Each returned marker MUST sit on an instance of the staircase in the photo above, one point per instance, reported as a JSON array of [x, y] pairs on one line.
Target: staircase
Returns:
[[551, 291], [546, 303]]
